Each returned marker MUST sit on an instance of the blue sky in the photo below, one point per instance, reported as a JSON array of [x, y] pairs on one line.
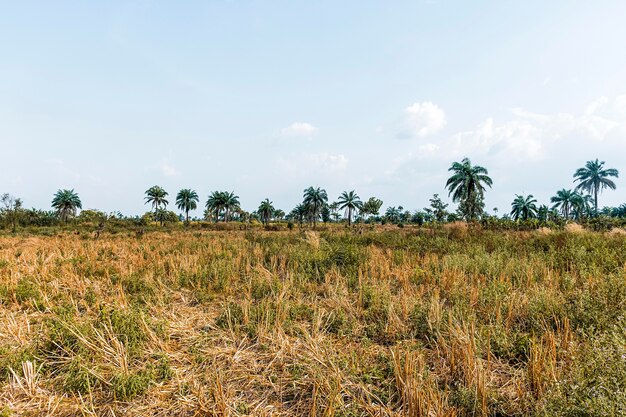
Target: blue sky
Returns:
[[269, 97]]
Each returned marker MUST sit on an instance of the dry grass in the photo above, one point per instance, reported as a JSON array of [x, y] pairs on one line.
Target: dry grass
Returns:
[[399, 323]]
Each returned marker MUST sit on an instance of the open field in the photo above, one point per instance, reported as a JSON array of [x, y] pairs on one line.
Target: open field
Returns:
[[404, 322]]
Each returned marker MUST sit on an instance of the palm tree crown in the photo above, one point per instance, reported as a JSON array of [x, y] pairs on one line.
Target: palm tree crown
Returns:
[[222, 201], [350, 201], [266, 210], [524, 208], [593, 178], [314, 200], [187, 200], [66, 202], [467, 186], [564, 200], [155, 195]]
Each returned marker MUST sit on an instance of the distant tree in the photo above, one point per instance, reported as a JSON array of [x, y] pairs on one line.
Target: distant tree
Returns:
[[593, 178], [279, 214], [187, 200], [299, 213], [231, 204], [564, 200], [467, 187], [66, 203], [266, 211], [155, 195], [371, 207], [524, 208], [393, 214], [543, 212], [350, 202], [12, 209], [314, 200], [437, 209], [215, 204], [583, 206]]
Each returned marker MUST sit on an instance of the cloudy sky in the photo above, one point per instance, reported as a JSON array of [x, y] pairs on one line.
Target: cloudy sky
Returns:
[[269, 97]]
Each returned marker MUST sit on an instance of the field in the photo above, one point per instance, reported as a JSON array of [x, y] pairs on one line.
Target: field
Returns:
[[402, 322]]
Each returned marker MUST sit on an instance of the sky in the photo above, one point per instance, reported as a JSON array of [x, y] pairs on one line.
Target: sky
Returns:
[[266, 98]]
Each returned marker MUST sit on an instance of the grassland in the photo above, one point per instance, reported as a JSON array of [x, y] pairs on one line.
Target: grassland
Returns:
[[402, 322]]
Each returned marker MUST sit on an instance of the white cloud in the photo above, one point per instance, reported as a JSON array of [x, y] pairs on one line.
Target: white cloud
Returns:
[[299, 129], [422, 119], [168, 170]]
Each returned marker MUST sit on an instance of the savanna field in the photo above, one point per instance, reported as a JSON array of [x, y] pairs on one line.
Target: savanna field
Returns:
[[450, 321]]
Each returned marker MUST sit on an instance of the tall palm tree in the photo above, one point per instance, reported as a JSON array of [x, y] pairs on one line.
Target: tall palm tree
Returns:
[[155, 195], [299, 212], [314, 200], [266, 210], [582, 206], [594, 178], [350, 201], [467, 187], [215, 203], [187, 200], [66, 202], [231, 204], [524, 207], [564, 201]]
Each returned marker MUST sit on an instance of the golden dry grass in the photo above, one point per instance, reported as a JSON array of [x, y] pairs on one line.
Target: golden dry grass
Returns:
[[284, 324]]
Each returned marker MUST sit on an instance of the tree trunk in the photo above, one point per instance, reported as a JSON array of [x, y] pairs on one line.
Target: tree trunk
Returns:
[[349, 216]]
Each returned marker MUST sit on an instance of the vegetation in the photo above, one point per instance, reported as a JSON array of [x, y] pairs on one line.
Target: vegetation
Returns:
[[593, 178], [350, 202], [155, 196], [467, 187], [187, 200], [66, 202], [453, 320]]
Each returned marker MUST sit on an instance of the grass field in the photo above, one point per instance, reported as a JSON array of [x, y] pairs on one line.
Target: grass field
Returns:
[[406, 322]]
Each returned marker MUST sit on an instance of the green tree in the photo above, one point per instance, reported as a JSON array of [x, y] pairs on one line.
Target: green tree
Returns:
[[564, 200], [593, 178], [437, 209], [12, 209], [187, 200], [266, 211], [231, 204], [524, 208], [467, 187], [155, 195], [350, 202], [299, 213], [215, 204], [66, 203], [314, 200], [371, 207]]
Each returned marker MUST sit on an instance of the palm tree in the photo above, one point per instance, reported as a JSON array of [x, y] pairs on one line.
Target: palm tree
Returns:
[[524, 207], [215, 203], [393, 214], [231, 204], [594, 178], [314, 200], [66, 202], [467, 186], [187, 200], [299, 212], [266, 210], [155, 195], [564, 201], [350, 201], [582, 206]]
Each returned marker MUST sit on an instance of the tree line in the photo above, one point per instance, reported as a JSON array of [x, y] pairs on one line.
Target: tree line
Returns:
[[466, 186]]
